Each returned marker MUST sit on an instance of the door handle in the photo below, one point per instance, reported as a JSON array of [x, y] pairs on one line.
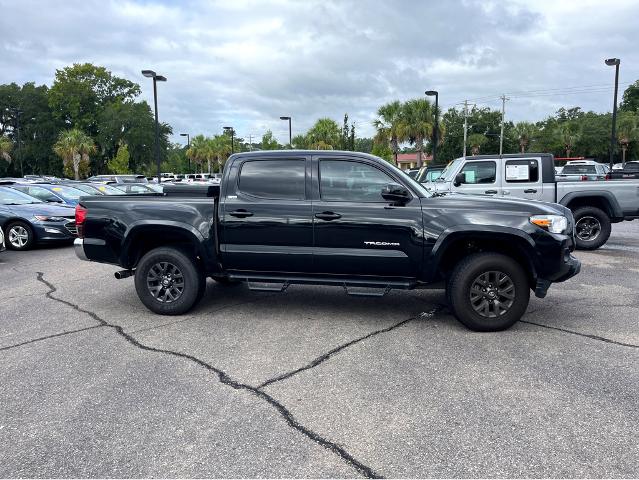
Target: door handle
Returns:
[[328, 216], [491, 192], [530, 190], [241, 213]]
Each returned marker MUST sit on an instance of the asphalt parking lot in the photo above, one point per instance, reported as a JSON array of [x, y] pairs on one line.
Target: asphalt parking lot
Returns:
[[313, 383]]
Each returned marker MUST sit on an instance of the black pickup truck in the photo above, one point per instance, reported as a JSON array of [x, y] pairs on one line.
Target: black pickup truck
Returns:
[[332, 218]]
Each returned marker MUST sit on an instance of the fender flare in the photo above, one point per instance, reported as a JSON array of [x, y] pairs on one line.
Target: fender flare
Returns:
[[136, 228], [603, 194], [453, 234]]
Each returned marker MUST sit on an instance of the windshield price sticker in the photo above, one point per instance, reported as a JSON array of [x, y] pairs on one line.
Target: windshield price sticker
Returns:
[[517, 172]]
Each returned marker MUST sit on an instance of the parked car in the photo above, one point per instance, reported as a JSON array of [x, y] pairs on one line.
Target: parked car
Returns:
[[95, 188], [136, 188], [595, 204], [361, 223], [118, 179], [2, 244], [583, 170], [621, 166], [26, 220], [52, 193]]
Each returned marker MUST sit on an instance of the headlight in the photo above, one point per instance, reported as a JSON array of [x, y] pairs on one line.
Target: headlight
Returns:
[[46, 218], [552, 223]]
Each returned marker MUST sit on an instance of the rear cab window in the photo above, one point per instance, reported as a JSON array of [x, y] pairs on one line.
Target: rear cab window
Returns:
[[281, 179]]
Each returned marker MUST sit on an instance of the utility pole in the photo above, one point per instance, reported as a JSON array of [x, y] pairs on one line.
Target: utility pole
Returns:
[[465, 124], [503, 113], [250, 142]]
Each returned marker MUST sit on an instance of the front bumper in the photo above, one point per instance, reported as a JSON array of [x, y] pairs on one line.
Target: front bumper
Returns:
[[570, 267], [55, 231]]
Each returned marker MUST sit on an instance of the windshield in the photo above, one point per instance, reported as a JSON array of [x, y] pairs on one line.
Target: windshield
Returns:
[[108, 189], [449, 171], [67, 192], [9, 196]]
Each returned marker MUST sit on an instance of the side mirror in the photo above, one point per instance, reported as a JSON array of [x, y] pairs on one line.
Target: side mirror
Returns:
[[396, 193], [459, 179]]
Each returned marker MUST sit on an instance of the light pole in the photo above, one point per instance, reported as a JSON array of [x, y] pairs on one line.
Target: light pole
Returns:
[[188, 145], [156, 78], [610, 62], [290, 138], [232, 132], [430, 93]]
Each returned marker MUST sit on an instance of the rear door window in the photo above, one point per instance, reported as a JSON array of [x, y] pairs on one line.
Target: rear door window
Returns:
[[522, 171], [273, 179]]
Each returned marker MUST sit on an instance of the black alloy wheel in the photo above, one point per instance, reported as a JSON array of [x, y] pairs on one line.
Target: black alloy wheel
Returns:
[[492, 294], [165, 282]]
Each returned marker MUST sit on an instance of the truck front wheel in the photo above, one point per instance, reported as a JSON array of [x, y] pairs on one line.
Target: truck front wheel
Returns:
[[592, 227], [168, 281], [488, 292]]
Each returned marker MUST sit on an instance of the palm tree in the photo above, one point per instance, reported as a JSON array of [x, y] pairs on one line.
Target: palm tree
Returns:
[[568, 136], [221, 145], [324, 135], [5, 147], [525, 132], [627, 132], [475, 141], [196, 151], [73, 147], [416, 124], [387, 125]]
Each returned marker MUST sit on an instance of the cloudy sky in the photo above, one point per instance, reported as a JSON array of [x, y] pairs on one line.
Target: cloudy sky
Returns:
[[245, 63]]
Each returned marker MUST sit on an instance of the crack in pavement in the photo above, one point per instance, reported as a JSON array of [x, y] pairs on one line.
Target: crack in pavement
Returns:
[[225, 379], [586, 335], [39, 339], [322, 358]]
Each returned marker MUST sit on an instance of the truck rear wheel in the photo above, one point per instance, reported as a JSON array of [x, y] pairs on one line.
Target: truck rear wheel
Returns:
[[488, 292], [592, 227], [168, 281]]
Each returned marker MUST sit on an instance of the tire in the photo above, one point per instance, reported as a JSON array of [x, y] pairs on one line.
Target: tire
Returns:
[[168, 282], [592, 228], [489, 308], [19, 236]]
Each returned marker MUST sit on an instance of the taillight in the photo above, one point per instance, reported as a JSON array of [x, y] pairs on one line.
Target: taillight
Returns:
[[80, 217], [584, 178]]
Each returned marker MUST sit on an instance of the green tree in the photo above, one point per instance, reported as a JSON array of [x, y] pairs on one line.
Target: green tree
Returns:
[[74, 147], [630, 98], [269, 142], [120, 163], [475, 142], [382, 150], [81, 91], [5, 148], [525, 132], [323, 135], [345, 134], [300, 142], [416, 124], [364, 145], [568, 134], [388, 124], [627, 132]]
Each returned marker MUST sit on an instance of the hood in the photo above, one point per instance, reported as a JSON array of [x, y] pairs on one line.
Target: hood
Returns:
[[31, 209], [506, 205]]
